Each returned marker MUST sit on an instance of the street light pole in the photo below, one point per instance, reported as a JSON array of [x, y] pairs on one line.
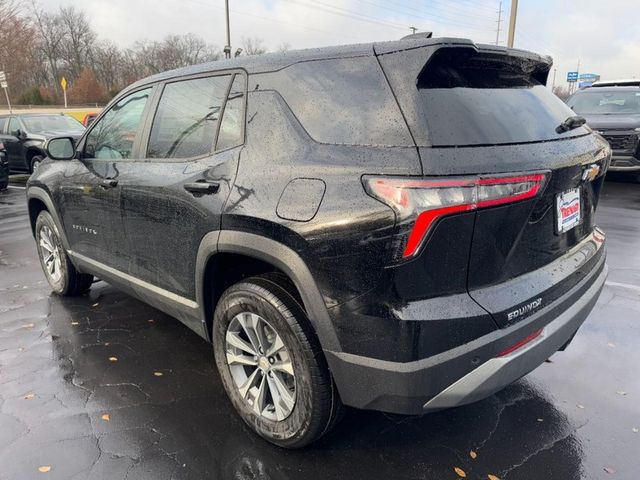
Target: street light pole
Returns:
[[512, 22], [227, 48]]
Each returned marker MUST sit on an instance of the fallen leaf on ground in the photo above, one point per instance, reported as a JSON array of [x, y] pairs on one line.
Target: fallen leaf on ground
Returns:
[[609, 470], [105, 417], [473, 454], [44, 468], [29, 396], [95, 304], [492, 477], [158, 374], [151, 320], [621, 392], [540, 420], [580, 406], [460, 472], [106, 344], [113, 359]]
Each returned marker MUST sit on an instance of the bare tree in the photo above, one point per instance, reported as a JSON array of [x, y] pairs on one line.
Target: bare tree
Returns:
[[78, 40], [107, 65], [283, 47], [562, 92], [17, 47], [50, 33], [253, 46]]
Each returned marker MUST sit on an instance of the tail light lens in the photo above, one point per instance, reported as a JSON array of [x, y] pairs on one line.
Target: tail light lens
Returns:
[[420, 203]]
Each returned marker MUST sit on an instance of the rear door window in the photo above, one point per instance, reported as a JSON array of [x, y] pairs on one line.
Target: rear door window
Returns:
[[3, 122], [187, 118]]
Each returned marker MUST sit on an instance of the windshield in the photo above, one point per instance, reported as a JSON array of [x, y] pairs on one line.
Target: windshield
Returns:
[[591, 102], [51, 123]]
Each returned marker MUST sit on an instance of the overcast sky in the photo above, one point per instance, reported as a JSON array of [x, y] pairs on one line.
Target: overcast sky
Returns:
[[603, 35]]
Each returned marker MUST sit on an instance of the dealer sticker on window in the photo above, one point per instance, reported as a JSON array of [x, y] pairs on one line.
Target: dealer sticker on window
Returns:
[[568, 208]]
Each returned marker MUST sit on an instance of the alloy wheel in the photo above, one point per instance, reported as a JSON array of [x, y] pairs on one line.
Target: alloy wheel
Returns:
[[50, 254], [261, 366]]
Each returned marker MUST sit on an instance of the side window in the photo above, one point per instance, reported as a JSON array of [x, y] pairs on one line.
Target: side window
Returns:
[[187, 117], [3, 121], [14, 126], [231, 125], [113, 135]]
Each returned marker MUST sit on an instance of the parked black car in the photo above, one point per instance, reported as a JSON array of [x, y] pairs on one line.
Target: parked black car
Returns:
[[25, 136], [4, 168], [615, 113], [392, 226]]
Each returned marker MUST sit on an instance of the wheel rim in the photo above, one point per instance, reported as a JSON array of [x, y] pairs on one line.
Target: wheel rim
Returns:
[[50, 254], [260, 366]]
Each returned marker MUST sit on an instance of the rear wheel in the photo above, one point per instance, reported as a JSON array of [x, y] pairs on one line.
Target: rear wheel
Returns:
[[62, 276], [271, 364]]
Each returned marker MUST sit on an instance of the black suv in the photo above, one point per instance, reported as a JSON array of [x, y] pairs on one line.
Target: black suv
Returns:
[[403, 226], [25, 136], [615, 113]]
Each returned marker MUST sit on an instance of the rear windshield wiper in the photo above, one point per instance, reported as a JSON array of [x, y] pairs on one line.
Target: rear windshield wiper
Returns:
[[571, 123]]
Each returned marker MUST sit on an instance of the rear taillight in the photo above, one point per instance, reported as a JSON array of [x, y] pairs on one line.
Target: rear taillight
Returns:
[[420, 203]]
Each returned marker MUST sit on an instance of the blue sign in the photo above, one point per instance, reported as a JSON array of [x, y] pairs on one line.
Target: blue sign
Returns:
[[572, 76]]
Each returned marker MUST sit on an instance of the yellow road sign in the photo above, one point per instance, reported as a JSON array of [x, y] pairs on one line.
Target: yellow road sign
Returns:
[[63, 83]]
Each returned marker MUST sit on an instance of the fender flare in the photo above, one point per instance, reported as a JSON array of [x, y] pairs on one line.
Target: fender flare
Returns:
[[281, 257], [43, 196]]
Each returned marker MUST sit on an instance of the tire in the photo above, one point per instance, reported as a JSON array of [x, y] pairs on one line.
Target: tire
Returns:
[[35, 163], [63, 278], [317, 407]]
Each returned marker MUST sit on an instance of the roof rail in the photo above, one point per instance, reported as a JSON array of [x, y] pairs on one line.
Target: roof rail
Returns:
[[418, 36]]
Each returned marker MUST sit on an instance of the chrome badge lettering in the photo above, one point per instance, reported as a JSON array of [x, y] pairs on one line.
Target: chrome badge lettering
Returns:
[[524, 309], [84, 229]]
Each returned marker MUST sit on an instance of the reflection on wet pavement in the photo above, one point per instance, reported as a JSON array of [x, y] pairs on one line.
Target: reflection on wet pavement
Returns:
[[104, 386]]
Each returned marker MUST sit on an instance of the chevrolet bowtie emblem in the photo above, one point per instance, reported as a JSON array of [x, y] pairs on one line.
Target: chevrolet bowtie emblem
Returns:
[[591, 172]]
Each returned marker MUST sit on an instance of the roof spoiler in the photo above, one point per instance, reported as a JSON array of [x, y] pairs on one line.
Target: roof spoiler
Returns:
[[418, 36]]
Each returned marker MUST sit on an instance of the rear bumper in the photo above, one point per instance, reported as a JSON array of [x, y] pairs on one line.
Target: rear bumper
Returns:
[[457, 376]]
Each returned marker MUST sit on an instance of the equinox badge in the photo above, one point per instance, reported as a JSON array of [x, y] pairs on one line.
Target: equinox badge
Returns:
[[524, 309]]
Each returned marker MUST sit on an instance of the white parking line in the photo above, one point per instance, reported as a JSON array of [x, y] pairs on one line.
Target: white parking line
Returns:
[[624, 285]]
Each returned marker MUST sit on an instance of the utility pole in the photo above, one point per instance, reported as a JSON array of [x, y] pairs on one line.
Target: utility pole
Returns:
[[512, 22], [413, 30], [553, 84], [499, 20], [227, 47]]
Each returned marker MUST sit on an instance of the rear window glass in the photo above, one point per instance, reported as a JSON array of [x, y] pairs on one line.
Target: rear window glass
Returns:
[[468, 98], [342, 101]]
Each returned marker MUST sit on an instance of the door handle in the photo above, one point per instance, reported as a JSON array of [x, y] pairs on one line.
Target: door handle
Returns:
[[108, 182], [202, 187]]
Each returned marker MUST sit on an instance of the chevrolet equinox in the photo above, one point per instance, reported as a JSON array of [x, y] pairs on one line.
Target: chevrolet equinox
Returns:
[[404, 226]]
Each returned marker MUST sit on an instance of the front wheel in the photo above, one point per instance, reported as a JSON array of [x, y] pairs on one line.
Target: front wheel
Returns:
[[62, 276], [271, 363], [36, 160]]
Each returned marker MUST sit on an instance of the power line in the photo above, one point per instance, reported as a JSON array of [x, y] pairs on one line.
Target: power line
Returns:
[[324, 7]]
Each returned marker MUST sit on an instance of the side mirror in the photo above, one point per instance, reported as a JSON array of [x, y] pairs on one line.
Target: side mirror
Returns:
[[61, 148]]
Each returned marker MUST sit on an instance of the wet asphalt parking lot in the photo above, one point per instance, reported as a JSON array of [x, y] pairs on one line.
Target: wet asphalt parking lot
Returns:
[[105, 387]]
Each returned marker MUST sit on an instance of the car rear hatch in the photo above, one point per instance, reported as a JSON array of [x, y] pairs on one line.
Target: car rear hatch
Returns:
[[484, 115]]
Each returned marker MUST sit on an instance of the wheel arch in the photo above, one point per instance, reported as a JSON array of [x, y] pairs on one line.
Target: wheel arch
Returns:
[[38, 200], [267, 253]]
